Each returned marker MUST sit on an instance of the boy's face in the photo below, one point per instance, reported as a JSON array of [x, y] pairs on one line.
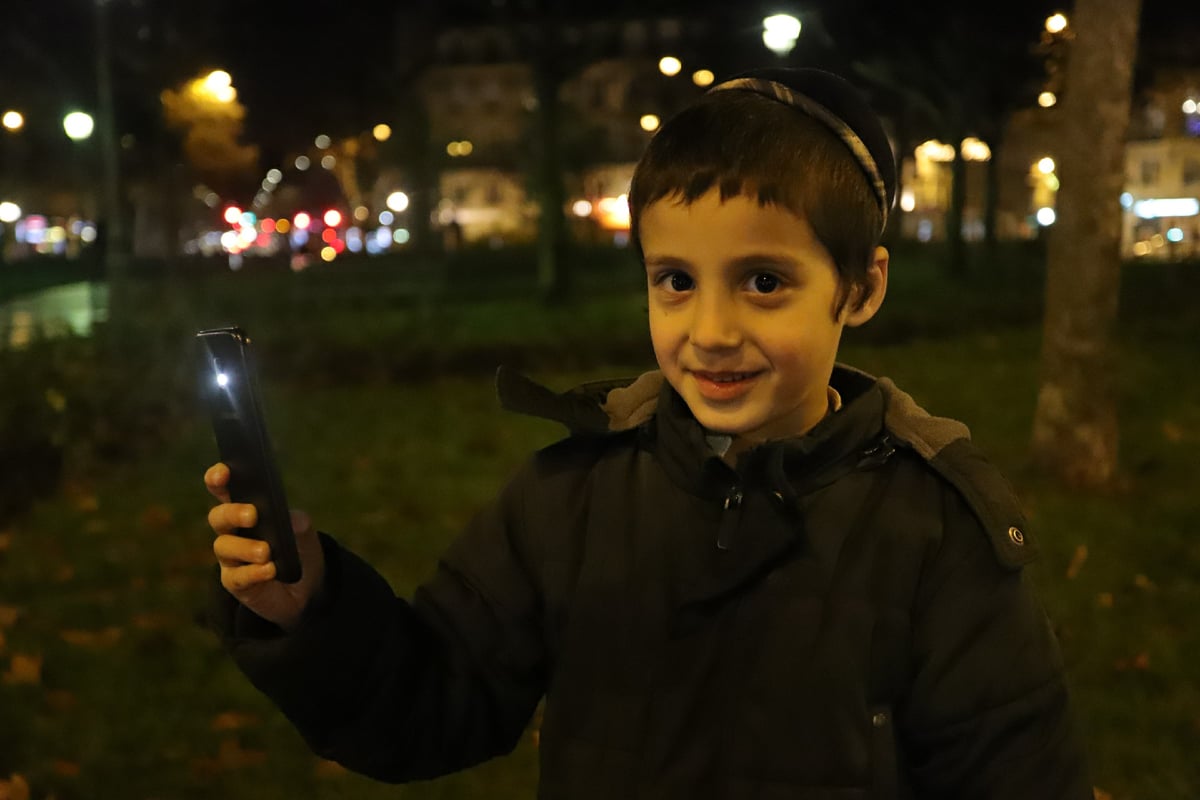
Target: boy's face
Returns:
[[741, 303]]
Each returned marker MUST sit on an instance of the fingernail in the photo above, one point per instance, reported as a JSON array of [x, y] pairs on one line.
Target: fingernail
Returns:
[[247, 518]]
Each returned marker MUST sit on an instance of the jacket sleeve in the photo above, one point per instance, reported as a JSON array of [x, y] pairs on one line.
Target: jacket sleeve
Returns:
[[988, 713], [402, 691]]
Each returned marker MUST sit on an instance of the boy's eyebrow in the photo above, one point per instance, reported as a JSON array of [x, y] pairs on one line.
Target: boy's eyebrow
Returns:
[[741, 262]]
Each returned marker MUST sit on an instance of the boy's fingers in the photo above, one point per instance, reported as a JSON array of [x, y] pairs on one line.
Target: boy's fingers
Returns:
[[216, 479], [237, 579], [234, 551], [227, 517]]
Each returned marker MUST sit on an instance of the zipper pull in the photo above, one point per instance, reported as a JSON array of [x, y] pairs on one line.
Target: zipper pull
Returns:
[[877, 455], [729, 518]]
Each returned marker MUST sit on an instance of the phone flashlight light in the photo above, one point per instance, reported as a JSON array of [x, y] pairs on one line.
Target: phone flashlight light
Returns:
[[222, 379]]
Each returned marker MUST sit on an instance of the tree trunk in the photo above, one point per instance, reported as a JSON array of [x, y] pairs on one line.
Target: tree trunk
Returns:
[[956, 249], [1075, 432], [117, 259], [553, 278]]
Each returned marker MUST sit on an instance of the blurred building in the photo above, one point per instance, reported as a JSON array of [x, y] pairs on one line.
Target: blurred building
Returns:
[[481, 103]]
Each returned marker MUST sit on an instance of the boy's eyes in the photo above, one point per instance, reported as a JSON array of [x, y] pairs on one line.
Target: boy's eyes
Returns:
[[758, 283]]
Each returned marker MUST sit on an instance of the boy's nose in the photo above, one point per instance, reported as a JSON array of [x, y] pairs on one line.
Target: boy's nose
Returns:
[[714, 325]]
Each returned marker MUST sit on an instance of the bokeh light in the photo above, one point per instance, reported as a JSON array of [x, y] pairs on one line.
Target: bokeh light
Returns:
[[397, 201], [13, 120], [649, 122], [703, 77], [78, 125], [382, 132], [669, 66]]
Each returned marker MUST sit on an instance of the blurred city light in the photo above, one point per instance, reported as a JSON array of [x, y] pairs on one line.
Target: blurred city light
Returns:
[[322, 142], [13, 120], [361, 213], [1046, 165], [1056, 23], [614, 212], [650, 122], [282, 226], [1126, 200], [232, 215], [1167, 207], [328, 254], [581, 208], [933, 150], [302, 163], [87, 234], [249, 220], [301, 221], [78, 125], [703, 77], [396, 201], [975, 150], [218, 85], [328, 162], [1175, 234], [401, 236], [333, 218], [780, 32], [382, 132], [1047, 99], [386, 218], [1190, 106], [1046, 216], [9, 212], [274, 176], [908, 200], [669, 66]]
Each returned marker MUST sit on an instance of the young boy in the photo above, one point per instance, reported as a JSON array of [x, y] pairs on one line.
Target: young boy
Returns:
[[751, 574]]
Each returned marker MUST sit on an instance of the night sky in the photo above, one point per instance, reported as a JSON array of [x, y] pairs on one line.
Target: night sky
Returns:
[[308, 67]]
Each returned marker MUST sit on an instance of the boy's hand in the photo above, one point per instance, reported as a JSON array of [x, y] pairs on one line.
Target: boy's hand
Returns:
[[246, 569]]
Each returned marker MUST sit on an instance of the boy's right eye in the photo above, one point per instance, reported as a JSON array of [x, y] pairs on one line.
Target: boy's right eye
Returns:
[[676, 281]]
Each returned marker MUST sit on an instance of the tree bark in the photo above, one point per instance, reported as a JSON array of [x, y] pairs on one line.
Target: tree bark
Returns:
[[553, 275], [1075, 431]]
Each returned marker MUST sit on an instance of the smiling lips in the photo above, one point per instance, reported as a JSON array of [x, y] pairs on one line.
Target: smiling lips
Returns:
[[723, 386]]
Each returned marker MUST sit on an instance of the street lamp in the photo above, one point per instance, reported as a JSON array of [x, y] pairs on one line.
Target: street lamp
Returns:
[[669, 66], [397, 201], [78, 125], [1056, 23], [9, 212], [13, 120], [780, 32]]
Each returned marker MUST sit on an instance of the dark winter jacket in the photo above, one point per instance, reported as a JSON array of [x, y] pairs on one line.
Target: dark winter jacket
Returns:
[[843, 615]]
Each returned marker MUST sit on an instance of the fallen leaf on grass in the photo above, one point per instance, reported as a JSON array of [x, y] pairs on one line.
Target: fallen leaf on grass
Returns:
[[64, 573], [230, 755], [233, 720], [5, 540], [1172, 432], [1104, 600], [15, 788], [81, 497], [64, 768], [1139, 662], [156, 518], [60, 700], [1144, 583], [1077, 561], [153, 621], [94, 639], [23, 670], [1100, 794], [328, 769], [8, 616]]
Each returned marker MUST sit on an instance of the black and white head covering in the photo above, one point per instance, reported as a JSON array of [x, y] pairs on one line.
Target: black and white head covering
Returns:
[[835, 102]]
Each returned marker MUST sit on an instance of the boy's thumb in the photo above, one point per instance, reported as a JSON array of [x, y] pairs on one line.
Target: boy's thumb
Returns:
[[301, 523]]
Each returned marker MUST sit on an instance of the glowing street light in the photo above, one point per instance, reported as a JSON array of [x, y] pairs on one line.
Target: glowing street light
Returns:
[[780, 32], [1190, 106], [9, 212], [1056, 23], [382, 132], [703, 77], [218, 85], [649, 122], [1046, 165], [1047, 99], [13, 120], [78, 125], [397, 201], [669, 66]]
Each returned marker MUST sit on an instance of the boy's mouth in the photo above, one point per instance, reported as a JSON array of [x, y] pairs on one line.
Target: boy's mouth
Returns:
[[724, 385]]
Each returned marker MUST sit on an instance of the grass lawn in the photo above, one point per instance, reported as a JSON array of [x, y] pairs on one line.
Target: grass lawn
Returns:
[[111, 688]]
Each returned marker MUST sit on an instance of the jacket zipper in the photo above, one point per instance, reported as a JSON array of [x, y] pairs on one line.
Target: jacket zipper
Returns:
[[729, 518]]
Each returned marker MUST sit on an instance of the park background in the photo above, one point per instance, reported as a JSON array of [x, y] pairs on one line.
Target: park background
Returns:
[[378, 370]]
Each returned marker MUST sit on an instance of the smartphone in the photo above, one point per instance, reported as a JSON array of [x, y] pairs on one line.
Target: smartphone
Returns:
[[229, 387]]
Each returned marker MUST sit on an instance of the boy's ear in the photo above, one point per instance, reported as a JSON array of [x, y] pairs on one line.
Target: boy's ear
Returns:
[[874, 287]]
